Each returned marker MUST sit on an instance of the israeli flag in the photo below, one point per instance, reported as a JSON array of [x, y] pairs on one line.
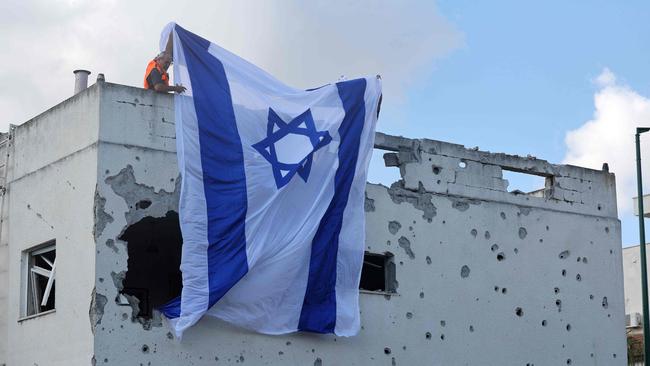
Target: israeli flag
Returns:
[[272, 195]]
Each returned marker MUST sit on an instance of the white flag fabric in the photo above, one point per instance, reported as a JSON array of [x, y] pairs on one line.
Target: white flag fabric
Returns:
[[272, 195]]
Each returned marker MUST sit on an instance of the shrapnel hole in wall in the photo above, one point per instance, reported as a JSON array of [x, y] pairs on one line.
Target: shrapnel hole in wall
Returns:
[[154, 246]]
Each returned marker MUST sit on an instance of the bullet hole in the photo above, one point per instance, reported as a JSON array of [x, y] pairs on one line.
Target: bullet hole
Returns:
[[519, 312], [387, 350], [280, 353], [142, 204], [568, 361], [436, 170], [442, 337], [522, 233], [421, 295], [487, 235], [494, 247], [607, 230], [464, 272], [604, 303], [568, 327], [443, 323], [405, 244], [599, 207], [578, 277], [474, 232], [584, 260], [496, 288], [318, 362], [394, 226], [591, 297], [125, 316], [543, 323], [501, 256], [516, 250], [504, 290], [471, 329], [409, 315], [564, 254], [547, 228], [170, 335], [145, 349], [564, 272], [556, 290], [428, 260], [541, 240], [558, 304], [578, 259], [137, 158], [427, 335], [611, 251], [438, 181], [288, 343], [614, 355], [503, 215]]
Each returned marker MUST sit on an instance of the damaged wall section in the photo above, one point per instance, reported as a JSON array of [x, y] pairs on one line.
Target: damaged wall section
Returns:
[[478, 276]]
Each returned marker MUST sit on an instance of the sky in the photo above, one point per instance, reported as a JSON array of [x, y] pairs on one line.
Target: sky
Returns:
[[563, 81]]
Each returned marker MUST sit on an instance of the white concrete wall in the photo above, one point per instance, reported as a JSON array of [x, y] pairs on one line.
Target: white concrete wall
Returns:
[[443, 223], [51, 183]]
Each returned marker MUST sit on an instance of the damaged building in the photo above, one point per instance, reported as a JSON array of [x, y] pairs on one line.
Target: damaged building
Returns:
[[458, 269]]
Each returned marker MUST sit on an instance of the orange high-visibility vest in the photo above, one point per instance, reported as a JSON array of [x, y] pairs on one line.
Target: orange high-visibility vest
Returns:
[[153, 64]]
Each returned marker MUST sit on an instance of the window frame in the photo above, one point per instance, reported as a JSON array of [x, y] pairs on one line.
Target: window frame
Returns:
[[30, 271]]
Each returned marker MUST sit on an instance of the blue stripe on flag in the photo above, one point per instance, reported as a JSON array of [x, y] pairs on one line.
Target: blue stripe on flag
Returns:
[[319, 307], [222, 161]]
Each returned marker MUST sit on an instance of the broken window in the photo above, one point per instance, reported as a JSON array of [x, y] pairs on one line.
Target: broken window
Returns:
[[378, 273], [40, 276], [153, 278]]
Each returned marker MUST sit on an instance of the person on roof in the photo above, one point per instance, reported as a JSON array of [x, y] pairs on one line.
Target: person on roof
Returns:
[[156, 77]]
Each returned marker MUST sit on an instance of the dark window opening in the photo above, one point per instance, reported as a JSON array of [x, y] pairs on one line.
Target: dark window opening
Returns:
[[153, 276], [378, 273]]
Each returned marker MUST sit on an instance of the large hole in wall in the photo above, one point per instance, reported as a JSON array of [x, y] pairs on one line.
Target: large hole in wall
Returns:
[[154, 247], [525, 183]]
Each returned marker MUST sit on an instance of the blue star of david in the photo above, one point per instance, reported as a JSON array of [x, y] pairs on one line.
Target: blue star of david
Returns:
[[277, 129]]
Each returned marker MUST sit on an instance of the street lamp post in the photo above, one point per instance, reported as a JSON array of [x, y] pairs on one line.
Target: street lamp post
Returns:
[[644, 267]]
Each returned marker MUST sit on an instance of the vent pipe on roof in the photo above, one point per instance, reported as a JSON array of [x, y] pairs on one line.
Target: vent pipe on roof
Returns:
[[80, 80]]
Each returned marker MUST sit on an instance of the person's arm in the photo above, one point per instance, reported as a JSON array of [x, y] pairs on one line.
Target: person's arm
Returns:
[[162, 88], [158, 85]]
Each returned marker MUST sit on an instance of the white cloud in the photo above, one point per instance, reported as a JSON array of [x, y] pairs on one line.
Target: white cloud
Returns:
[[609, 136], [304, 44]]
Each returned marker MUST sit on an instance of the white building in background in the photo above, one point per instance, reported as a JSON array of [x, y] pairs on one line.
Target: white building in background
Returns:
[[459, 271]]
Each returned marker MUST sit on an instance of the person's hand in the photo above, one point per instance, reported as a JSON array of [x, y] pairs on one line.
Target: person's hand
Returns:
[[179, 88]]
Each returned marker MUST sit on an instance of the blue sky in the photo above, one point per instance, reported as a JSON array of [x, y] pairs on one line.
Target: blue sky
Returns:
[[566, 81], [524, 76]]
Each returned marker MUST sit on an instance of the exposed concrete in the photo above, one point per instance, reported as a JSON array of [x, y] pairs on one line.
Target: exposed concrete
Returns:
[[480, 280], [96, 311]]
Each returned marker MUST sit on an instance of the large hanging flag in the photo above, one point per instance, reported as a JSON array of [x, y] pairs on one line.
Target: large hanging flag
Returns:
[[272, 195]]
